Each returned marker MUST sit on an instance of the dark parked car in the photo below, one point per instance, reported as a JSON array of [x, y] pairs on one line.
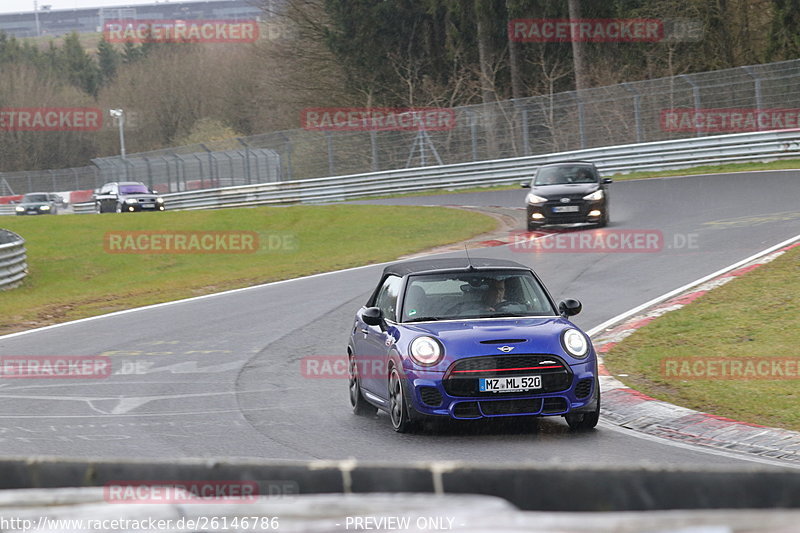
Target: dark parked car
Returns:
[[470, 339], [567, 193], [37, 203], [127, 197]]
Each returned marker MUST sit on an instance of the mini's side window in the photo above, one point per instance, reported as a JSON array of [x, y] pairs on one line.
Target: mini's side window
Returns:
[[387, 297]]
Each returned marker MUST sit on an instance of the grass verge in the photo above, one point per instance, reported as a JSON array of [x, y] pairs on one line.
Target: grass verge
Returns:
[[71, 275], [753, 316]]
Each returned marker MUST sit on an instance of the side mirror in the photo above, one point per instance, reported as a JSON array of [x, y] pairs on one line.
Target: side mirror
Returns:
[[525, 184], [569, 307], [608, 180], [372, 316]]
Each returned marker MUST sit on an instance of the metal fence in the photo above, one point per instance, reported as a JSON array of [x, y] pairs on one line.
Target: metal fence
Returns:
[[660, 155], [13, 259], [605, 116]]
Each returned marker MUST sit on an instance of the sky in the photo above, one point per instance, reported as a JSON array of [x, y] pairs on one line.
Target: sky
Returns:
[[17, 6]]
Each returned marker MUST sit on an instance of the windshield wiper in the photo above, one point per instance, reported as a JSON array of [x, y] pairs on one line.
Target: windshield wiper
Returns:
[[423, 319]]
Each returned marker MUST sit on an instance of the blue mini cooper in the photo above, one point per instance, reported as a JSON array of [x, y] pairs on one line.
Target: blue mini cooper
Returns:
[[468, 339]]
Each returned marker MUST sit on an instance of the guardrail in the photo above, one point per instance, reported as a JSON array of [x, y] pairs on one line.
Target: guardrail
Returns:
[[662, 155], [13, 259]]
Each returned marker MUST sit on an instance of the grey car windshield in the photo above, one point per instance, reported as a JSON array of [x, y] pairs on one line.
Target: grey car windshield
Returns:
[[35, 198], [565, 174], [133, 189], [470, 295]]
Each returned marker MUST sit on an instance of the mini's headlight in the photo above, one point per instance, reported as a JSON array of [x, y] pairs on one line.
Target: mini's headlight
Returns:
[[131, 201], [159, 200], [45, 208], [426, 351], [575, 343], [533, 199], [596, 195], [20, 208]]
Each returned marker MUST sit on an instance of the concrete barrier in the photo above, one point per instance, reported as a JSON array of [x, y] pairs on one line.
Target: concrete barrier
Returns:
[[542, 488]]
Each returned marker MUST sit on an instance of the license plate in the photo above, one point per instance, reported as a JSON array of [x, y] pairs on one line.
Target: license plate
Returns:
[[510, 384], [148, 206], [566, 209]]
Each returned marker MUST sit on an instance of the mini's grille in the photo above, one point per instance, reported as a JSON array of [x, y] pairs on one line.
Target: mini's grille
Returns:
[[503, 341], [466, 410], [430, 396], [583, 388], [554, 406], [511, 407], [462, 379]]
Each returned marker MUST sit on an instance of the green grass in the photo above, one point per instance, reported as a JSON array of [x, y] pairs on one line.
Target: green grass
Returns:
[[71, 275], [754, 316]]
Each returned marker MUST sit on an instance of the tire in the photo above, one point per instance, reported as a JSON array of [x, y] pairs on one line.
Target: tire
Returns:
[[98, 208], [398, 410], [584, 421], [360, 406], [119, 208]]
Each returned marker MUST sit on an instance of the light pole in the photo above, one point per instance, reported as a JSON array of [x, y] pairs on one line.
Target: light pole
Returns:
[[119, 114]]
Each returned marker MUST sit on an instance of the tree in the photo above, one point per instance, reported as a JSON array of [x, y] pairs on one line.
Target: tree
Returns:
[[108, 60], [80, 69]]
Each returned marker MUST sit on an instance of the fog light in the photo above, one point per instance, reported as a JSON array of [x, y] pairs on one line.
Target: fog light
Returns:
[[161, 208], [130, 209], [594, 213], [537, 216]]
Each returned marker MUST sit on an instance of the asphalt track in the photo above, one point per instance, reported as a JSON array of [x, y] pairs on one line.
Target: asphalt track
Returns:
[[220, 376]]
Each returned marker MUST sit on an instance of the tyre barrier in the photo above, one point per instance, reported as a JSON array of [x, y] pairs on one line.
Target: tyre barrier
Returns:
[[13, 259]]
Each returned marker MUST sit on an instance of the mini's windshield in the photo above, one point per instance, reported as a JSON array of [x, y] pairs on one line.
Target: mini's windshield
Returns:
[[564, 174], [469, 295], [133, 189], [35, 198]]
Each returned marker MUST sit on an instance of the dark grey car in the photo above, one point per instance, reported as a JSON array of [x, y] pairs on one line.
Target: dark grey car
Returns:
[[37, 203], [567, 193]]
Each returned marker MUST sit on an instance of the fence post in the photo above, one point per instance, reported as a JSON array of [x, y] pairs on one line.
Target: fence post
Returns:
[[473, 133], [697, 102], [757, 88], [637, 111], [246, 158], [373, 141], [581, 121], [329, 140]]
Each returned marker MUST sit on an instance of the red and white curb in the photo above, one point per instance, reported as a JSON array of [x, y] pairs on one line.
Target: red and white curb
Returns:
[[631, 409]]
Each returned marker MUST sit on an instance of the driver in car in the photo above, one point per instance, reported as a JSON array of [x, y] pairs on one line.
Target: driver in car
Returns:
[[495, 294]]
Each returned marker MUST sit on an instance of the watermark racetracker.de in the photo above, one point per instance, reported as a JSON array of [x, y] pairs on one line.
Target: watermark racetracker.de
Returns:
[[738, 368], [729, 120], [603, 241], [54, 366], [378, 119], [198, 242], [50, 119], [180, 31], [614, 30]]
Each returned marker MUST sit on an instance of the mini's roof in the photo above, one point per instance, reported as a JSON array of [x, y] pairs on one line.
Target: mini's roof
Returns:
[[453, 263]]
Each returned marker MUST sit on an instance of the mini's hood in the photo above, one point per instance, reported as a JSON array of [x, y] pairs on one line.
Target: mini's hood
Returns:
[[468, 338]]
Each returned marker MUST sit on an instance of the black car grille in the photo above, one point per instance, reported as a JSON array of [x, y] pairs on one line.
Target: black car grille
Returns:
[[553, 406], [519, 406], [466, 410], [583, 388], [430, 396], [511, 407], [462, 377]]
